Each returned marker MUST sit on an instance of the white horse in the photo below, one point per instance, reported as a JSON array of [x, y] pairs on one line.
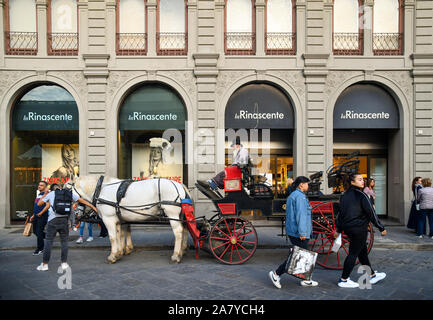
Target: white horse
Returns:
[[139, 193]]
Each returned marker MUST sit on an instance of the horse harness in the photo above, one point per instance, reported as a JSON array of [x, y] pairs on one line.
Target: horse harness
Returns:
[[121, 192]]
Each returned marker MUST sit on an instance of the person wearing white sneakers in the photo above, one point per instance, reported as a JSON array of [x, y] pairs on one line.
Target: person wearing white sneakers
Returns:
[[58, 222], [356, 212], [298, 226], [90, 230]]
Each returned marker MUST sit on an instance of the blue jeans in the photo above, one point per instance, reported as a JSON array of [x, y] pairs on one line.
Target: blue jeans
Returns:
[[89, 228], [422, 215]]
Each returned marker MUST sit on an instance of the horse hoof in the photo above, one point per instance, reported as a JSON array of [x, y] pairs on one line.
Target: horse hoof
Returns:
[[128, 251], [175, 260], [111, 260]]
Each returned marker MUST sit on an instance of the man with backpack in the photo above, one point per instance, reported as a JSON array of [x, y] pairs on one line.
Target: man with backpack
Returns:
[[58, 216]]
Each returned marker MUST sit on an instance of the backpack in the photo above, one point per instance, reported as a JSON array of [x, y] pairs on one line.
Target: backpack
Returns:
[[63, 202]]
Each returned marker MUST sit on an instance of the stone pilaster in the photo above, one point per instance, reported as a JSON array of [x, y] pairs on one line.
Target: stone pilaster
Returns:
[[260, 27], [151, 27], [41, 13]]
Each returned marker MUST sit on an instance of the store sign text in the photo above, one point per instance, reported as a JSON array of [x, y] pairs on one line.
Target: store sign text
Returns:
[[33, 116], [350, 115], [246, 115], [139, 116]]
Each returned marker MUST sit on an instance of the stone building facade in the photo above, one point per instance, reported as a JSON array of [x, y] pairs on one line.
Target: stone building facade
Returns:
[[207, 75]]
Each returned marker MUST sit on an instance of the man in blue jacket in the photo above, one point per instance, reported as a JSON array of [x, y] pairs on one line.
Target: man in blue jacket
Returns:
[[299, 225]]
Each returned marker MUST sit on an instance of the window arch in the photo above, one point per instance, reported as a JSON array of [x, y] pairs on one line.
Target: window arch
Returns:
[[62, 18], [21, 37], [172, 27], [131, 27], [280, 27], [347, 29], [388, 27], [44, 143], [240, 27]]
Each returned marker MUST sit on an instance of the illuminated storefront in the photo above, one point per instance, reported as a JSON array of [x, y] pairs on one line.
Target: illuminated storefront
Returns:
[[44, 144]]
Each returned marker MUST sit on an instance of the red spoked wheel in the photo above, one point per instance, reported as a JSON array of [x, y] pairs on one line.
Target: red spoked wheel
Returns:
[[233, 240], [324, 216]]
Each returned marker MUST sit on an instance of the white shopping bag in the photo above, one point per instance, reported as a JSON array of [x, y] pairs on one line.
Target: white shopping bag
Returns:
[[337, 244]]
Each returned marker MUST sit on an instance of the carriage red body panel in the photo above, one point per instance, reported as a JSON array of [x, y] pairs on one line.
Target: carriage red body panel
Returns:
[[232, 173]]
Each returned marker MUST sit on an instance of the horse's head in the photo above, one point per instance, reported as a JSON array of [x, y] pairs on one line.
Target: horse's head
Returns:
[[83, 186]]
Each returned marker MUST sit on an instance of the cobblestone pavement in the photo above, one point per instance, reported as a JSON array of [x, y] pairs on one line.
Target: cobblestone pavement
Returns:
[[148, 274]]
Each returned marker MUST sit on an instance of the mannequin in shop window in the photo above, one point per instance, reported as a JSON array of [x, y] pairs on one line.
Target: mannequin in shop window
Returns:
[[156, 160]]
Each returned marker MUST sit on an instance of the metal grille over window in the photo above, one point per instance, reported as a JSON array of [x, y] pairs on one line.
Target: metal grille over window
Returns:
[[280, 43], [63, 43], [172, 43], [387, 43], [348, 43], [130, 44], [240, 43], [25, 43]]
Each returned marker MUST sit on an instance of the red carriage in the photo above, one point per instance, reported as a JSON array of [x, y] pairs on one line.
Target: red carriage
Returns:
[[232, 239]]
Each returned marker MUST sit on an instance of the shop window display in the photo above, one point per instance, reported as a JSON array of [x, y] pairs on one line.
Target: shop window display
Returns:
[[44, 144]]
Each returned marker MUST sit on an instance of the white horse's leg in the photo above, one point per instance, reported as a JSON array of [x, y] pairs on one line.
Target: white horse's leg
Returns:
[[120, 243], [129, 245], [110, 224], [184, 241], [177, 228]]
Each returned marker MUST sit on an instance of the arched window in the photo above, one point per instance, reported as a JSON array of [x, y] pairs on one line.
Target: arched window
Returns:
[[388, 27], [131, 27], [44, 143], [20, 27], [280, 36], [62, 27], [172, 27], [347, 29], [240, 35]]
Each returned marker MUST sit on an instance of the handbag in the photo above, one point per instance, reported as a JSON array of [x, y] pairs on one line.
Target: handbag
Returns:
[[337, 244], [28, 228], [301, 262]]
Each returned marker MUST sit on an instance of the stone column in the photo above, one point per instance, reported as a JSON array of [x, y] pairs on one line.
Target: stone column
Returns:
[[260, 27], [151, 27], [408, 28], [41, 11], [219, 27], [111, 28], [2, 33], [368, 27], [83, 25]]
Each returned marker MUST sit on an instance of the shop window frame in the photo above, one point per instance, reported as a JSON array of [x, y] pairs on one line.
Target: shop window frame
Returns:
[[170, 52], [400, 34], [8, 33], [131, 52], [360, 34], [252, 34], [290, 51], [50, 35]]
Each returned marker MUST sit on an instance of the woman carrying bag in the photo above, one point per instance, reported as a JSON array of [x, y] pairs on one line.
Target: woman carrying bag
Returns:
[[414, 215], [356, 211]]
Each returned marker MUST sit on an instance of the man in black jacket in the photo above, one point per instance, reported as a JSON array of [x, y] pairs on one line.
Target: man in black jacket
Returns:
[[356, 212]]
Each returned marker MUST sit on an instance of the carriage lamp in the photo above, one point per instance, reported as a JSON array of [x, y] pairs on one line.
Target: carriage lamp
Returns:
[[232, 185]]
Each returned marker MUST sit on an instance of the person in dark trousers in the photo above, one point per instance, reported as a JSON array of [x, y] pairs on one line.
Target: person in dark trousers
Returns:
[[356, 211], [298, 226], [40, 218], [57, 223], [412, 223], [425, 198]]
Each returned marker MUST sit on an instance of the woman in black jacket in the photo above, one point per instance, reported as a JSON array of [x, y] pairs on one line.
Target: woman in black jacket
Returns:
[[412, 223], [356, 211]]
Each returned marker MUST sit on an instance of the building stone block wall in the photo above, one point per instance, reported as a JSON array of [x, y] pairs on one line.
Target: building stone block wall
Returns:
[[205, 78]]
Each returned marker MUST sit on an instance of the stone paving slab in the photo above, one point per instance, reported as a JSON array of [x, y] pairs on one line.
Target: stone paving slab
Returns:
[[148, 275]]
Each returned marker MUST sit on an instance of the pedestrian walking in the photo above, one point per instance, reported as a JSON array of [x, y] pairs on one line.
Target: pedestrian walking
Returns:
[[369, 190], [425, 198], [298, 226], [356, 211], [40, 218], [90, 230], [58, 216], [414, 214]]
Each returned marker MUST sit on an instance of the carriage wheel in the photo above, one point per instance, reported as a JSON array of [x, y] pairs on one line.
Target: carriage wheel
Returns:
[[233, 240], [324, 216]]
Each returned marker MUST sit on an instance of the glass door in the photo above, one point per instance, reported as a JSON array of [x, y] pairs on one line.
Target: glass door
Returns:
[[378, 171]]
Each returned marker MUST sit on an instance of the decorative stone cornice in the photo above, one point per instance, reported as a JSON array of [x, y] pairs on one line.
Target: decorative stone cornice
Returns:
[[422, 59], [316, 60], [41, 3]]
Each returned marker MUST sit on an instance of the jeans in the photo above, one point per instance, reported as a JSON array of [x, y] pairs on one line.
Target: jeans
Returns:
[[39, 224], [89, 228], [357, 249], [296, 242], [59, 225], [421, 226]]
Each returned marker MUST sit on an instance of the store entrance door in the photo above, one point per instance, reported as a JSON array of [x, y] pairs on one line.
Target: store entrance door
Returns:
[[378, 171]]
